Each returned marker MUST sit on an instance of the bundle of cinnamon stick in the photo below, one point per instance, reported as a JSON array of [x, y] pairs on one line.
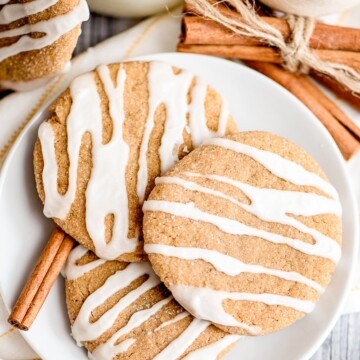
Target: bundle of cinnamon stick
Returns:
[[330, 43]]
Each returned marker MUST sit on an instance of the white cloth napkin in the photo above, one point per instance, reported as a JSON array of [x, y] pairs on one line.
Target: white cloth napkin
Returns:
[[156, 34]]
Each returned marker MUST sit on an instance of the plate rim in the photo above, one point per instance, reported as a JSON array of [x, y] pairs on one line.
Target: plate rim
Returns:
[[354, 211]]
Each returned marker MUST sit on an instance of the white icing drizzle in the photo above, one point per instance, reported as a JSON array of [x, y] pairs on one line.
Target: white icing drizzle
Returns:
[[198, 122], [326, 248], [212, 351], [176, 348], [125, 345], [174, 320], [205, 303], [14, 12], [72, 271], [228, 264], [55, 204], [83, 330], [279, 166], [282, 202], [106, 189], [109, 350], [53, 29], [171, 89], [120, 348]]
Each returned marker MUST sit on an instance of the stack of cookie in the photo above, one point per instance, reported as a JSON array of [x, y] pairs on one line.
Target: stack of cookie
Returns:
[[182, 251], [37, 39]]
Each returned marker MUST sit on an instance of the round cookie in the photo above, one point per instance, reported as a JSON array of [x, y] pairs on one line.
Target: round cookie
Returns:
[[119, 311], [245, 232], [37, 39], [107, 139]]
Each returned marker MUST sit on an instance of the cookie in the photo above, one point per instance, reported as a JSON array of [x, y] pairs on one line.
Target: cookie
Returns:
[[245, 232], [37, 39], [107, 139], [121, 310]]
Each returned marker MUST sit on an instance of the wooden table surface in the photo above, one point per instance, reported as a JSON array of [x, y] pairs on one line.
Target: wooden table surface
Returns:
[[344, 341]]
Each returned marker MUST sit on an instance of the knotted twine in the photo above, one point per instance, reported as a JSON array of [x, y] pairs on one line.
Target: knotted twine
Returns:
[[296, 55]]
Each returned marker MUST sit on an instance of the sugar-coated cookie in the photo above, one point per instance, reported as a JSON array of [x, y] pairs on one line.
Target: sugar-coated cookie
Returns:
[[37, 39], [107, 139], [245, 232], [122, 311]]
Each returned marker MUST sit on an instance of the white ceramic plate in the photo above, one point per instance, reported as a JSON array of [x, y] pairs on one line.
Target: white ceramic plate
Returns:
[[257, 103]]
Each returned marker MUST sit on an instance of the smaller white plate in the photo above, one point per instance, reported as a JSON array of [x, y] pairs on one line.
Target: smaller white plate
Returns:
[[257, 103]]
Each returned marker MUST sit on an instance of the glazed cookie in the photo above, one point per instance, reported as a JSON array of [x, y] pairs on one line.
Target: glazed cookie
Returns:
[[108, 137], [119, 311], [245, 232], [37, 39]]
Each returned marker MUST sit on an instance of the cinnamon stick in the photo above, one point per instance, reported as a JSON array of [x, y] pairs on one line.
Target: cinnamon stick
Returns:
[[268, 54], [340, 90], [41, 280], [335, 111], [326, 111], [201, 31]]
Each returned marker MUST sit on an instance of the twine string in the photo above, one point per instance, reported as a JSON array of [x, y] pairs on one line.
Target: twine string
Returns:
[[296, 54], [292, 54]]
